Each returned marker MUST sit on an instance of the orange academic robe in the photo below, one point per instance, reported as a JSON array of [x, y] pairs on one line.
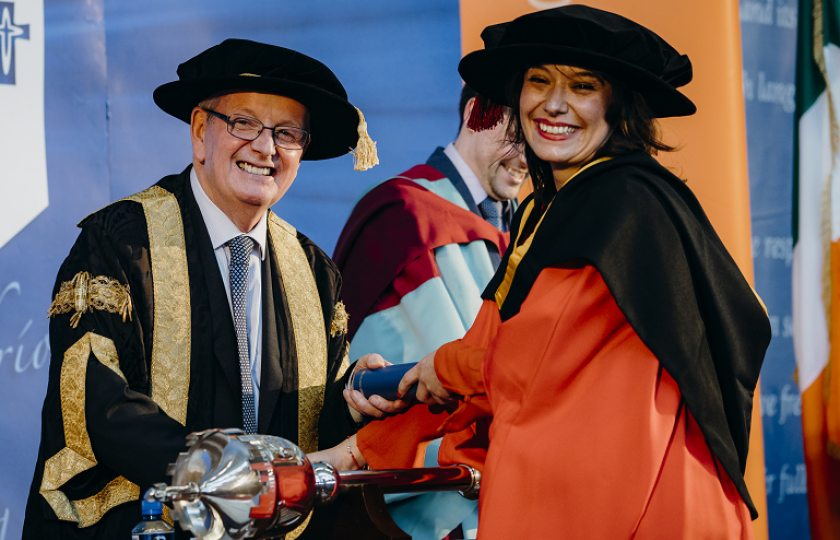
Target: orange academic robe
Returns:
[[590, 437]]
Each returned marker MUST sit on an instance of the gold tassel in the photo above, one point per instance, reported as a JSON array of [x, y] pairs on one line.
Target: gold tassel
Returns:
[[364, 156], [80, 294], [125, 306]]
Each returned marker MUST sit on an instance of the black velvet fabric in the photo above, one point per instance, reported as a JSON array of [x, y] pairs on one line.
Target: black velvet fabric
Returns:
[[130, 435], [642, 228]]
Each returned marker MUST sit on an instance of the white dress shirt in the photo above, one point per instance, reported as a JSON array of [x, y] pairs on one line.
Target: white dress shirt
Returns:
[[467, 174], [472, 182], [221, 230]]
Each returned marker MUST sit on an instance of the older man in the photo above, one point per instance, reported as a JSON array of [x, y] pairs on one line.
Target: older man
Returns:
[[190, 305], [416, 254]]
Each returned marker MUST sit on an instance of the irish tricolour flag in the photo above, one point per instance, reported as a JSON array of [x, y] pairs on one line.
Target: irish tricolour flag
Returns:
[[816, 268]]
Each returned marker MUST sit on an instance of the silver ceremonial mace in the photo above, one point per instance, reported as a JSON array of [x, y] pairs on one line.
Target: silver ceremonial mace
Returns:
[[260, 486]]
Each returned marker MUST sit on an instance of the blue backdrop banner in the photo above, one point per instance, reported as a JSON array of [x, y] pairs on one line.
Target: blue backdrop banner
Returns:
[[768, 33]]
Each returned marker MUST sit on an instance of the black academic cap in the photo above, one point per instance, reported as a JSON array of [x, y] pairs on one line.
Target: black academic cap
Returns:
[[589, 38], [238, 65]]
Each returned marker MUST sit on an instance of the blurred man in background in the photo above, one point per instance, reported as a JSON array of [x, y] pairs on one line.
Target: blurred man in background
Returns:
[[415, 255]]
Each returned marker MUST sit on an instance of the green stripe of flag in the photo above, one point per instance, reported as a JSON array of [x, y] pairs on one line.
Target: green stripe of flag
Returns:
[[818, 25]]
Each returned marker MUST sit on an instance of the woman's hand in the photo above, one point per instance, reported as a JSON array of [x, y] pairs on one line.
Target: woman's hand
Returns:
[[339, 456], [429, 388], [376, 406]]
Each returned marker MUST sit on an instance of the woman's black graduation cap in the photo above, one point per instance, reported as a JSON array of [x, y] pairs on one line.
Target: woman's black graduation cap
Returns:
[[589, 38]]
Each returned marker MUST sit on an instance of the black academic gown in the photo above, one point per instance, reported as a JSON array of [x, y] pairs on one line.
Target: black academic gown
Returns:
[[132, 439]]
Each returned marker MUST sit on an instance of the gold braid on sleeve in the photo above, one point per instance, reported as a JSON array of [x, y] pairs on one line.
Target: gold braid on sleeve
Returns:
[[83, 293]]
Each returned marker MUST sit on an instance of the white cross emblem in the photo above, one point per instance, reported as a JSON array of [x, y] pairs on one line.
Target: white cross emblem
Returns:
[[9, 32]]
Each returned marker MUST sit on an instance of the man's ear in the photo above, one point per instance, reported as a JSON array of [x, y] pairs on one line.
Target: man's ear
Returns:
[[307, 125], [198, 126], [468, 108]]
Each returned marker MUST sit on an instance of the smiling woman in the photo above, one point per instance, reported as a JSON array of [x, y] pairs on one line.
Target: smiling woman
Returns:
[[615, 118], [563, 116], [618, 331]]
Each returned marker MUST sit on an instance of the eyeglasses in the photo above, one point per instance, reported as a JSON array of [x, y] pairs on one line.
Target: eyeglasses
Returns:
[[248, 129]]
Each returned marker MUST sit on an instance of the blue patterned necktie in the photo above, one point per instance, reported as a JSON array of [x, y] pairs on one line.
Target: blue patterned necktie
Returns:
[[240, 251], [492, 211]]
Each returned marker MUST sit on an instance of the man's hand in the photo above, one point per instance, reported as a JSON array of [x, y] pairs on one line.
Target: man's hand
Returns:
[[376, 406], [429, 388]]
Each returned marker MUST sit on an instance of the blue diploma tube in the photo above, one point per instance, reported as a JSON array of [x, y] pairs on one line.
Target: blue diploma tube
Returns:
[[383, 382]]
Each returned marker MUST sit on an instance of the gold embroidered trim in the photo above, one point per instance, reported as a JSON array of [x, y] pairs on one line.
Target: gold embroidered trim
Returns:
[[84, 292], [118, 491], [171, 283], [170, 277], [78, 455], [170, 357], [519, 251], [308, 324], [339, 320], [63, 466], [297, 531], [61, 505], [345, 362], [87, 512]]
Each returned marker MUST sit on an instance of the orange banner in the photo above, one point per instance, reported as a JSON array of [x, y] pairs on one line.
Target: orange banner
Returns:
[[712, 143]]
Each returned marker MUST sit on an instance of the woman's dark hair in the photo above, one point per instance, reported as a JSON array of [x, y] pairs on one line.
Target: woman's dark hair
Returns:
[[633, 128]]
